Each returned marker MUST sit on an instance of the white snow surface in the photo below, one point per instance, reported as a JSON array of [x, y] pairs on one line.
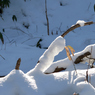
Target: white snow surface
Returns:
[[20, 42]]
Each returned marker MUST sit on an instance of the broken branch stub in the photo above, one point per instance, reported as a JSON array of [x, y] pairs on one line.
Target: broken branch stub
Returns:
[[76, 26], [18, 64]]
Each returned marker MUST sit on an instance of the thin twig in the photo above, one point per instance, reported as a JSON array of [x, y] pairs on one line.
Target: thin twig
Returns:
[[89, 6], [26, 40], [6, 37], [2, 57], [90, 58], [16, 28]]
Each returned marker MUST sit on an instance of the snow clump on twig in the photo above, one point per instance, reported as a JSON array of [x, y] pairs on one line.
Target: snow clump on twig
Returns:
[[80, 22]]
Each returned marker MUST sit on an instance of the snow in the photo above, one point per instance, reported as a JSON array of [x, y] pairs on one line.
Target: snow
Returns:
[[16, 82], [20, 42], [32, 82], [80, 22], [86, 88]]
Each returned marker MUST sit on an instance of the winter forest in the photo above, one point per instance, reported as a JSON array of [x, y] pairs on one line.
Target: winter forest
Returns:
[[47, 47]]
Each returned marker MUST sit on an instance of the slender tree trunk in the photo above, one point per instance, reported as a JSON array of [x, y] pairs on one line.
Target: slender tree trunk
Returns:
[[47, 17]]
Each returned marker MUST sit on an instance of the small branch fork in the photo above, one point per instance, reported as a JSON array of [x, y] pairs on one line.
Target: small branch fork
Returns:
[[76, 26]]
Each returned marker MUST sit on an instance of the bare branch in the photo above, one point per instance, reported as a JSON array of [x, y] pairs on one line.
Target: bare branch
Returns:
[[76, 26], [18, 64], [47, 17]]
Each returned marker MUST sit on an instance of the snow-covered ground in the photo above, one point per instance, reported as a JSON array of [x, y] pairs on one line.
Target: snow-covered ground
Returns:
[[20, 42]]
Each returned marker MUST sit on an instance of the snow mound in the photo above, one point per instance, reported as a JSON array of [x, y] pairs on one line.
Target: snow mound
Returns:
[[17, 83]]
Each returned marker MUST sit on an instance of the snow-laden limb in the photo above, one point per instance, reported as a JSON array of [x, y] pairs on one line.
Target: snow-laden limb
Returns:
[[81, 22], [65, 63], [48, 56]]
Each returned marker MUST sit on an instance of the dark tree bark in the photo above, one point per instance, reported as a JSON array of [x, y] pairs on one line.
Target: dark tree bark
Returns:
[[80, 58], [57, 69]]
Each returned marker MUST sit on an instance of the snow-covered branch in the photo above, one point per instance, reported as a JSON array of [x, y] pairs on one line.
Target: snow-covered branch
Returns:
[[45, 63], [78, 24], [48, 56], [80, 57]]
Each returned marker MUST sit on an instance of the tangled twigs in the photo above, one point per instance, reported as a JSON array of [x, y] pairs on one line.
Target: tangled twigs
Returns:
[[2, 57]]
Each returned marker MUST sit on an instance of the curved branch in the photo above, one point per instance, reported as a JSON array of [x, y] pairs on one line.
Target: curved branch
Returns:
[[76, 26]]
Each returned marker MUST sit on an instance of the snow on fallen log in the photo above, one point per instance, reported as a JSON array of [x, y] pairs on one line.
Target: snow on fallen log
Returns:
[[80, 57]]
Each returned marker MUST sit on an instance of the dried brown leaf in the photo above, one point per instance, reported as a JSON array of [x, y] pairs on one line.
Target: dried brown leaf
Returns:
[[71, 49], [68, 53]]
